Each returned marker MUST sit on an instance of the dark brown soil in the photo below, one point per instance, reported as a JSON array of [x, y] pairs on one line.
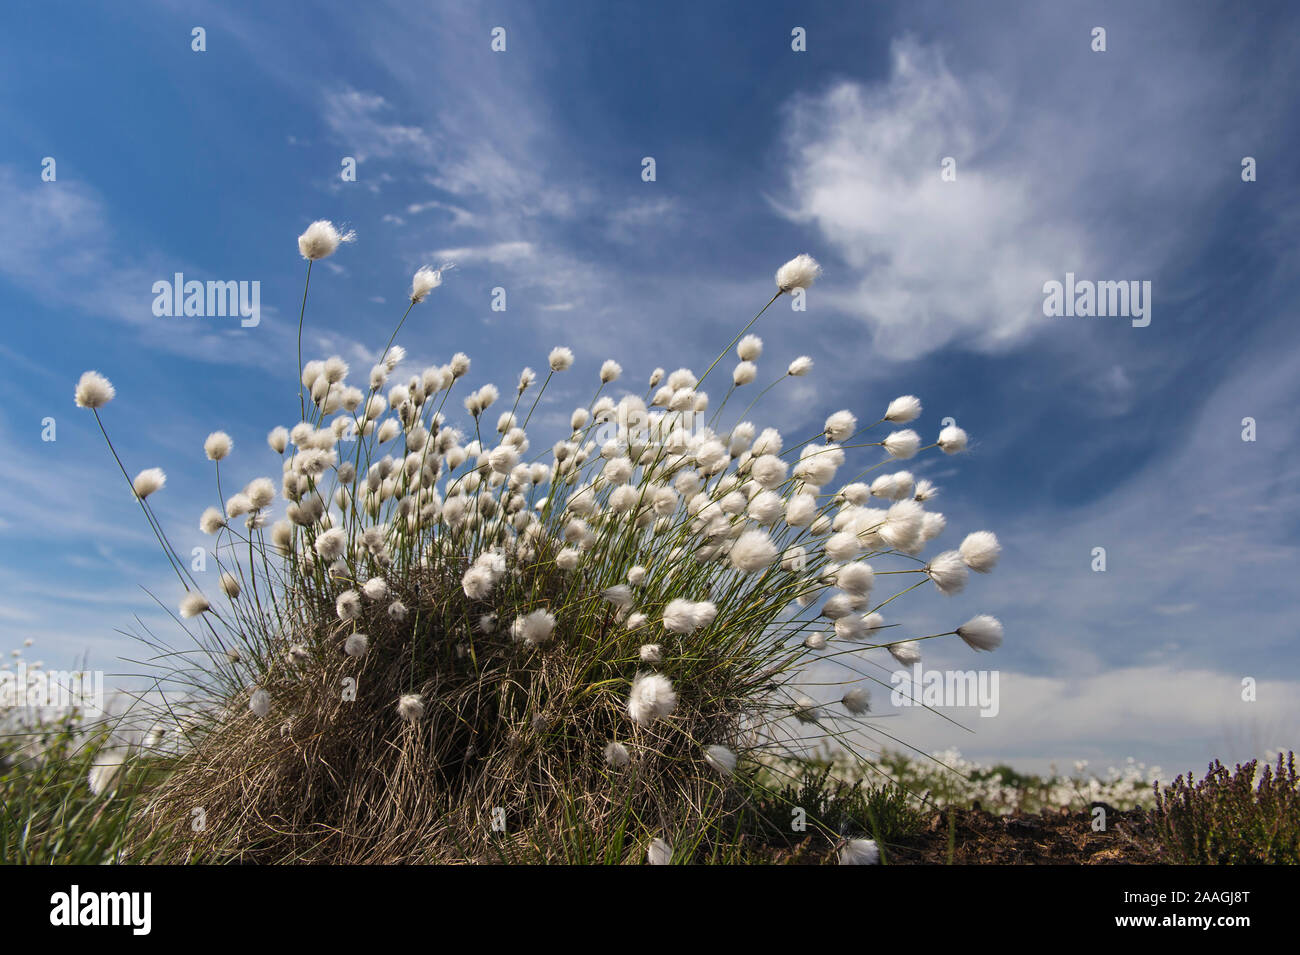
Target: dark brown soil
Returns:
[[1064, 837]]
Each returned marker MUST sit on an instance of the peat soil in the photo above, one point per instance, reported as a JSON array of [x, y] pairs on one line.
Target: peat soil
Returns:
[[1053, 837]]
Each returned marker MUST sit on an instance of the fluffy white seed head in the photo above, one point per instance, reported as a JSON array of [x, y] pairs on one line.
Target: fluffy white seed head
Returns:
[[721, 759], [534, 628], [658, 852], [356, 645], [193, 604], [321, 239], [952, 440], [903, 409], [616, 755], [651, 653], [841, 425], [799, 272], [561, 359], [410, 707], [229, 585], [423, 282], [860, 852], [753, 551], [857, 700], [610, 371], [907, 652], [217, 446], [259, 702], [980, 551], [93, 390], [981, 633], [652, 697], [148, 481], [903, 444], [800, 367], [949, 572]]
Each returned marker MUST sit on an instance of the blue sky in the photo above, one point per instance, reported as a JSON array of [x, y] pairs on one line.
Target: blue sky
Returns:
[[524, 167]]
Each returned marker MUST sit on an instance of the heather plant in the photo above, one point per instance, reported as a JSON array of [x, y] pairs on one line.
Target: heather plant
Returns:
[[1228, 819], [456, 644]]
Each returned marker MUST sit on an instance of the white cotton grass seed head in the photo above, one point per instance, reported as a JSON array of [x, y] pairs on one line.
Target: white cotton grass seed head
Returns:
[[212, 520], [744, 373], [902, 444], [321, 239], [652, 697], [534, 628], [148, 481], [982, 632], [561, 358], [229, 585], [980, 551], [610, 371], [278, 439], [799, 272], [841, 425], [860, 852], [753, 551], [218, 445], [193, 604], [800, 367], [423, 282], [857, 700], [750, 348], [952, 440], [616, 755], [93, 390], [949, 572], [376, 588], [348, 605], [636, 575], [658, 852], [410, 707], [259, 702], [903, 409], [906, 652], [356, 644], [651, 653], [721, 759]]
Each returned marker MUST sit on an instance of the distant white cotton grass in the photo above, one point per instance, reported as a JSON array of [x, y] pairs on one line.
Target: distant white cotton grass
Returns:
[[106, 770], [721, 759], [981, 633], [217, 446], [93, 390], [860, 852], [148, 482], [799, 272], [321, 239], [410, 707], [193, 604], [652, 698]]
